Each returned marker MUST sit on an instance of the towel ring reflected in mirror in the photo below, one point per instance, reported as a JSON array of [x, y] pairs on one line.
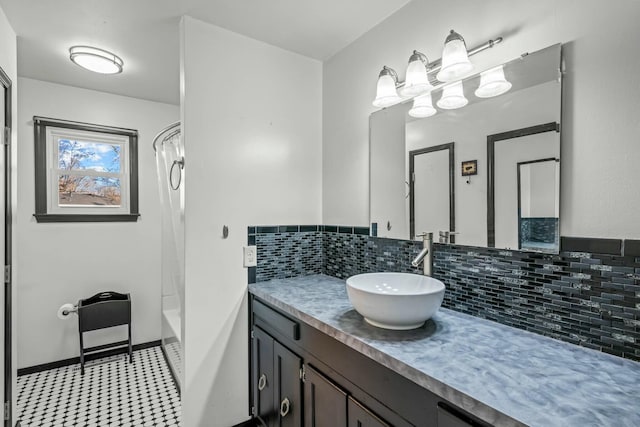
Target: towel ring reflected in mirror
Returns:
[[180, 163]]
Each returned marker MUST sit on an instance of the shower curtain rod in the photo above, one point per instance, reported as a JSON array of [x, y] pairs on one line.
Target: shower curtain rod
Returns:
[[163, 131]]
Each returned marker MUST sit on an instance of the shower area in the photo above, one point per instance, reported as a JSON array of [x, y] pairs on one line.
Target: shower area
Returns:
[[169, 151]]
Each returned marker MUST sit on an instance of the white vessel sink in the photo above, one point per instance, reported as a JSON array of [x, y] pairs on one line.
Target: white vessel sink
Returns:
[[395, 300]]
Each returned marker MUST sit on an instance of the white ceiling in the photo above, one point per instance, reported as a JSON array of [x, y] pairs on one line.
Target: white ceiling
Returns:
[[145, 34]]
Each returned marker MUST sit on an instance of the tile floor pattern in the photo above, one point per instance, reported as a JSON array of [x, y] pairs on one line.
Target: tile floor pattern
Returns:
[[112, 392]]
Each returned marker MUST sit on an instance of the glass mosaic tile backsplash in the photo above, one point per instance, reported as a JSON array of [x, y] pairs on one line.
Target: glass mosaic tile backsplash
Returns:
[[583, 298]]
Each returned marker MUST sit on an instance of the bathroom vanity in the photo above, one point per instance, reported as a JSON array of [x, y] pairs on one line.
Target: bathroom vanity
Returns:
[[302, 376], [315, 362]]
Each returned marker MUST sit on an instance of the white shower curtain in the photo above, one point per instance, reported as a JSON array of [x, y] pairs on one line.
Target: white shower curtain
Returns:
[[170, 164]]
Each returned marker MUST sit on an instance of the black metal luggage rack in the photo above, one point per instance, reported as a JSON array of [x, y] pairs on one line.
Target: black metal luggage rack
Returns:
[[104, 310]]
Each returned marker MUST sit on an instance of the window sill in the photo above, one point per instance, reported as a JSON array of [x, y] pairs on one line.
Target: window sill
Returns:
[[86, 218]]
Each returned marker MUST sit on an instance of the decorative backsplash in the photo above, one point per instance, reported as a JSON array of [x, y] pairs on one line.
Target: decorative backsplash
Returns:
[[539, 230], [578, 296], [586, 299], [286, 251], [349, 254], [339, 251]]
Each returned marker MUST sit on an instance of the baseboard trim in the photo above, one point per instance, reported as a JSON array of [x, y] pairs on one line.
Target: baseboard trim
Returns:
[[88, 357]]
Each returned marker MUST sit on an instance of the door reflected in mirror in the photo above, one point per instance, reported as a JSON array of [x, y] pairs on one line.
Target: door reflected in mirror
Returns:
[[523, 197], [431, 193], [538, 205]]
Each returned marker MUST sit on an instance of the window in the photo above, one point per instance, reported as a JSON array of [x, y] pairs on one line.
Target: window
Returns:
[[85, 172]]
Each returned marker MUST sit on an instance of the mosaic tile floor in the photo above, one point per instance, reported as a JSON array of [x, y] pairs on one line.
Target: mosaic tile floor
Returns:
[[112, 392]]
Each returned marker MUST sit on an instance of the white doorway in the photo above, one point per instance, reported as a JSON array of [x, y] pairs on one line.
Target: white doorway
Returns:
[[5, 246]]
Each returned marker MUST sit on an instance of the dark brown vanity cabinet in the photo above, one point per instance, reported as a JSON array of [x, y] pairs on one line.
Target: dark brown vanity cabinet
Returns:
[[325, 404], [359, 416], [303, 377], [276, 382], [262, 381], [447, 419]]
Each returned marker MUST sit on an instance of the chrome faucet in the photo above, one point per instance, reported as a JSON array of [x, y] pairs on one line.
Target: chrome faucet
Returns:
[[424, 256]]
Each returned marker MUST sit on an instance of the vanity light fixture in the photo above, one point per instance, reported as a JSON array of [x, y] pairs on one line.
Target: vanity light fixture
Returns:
[[386, 94], [419, 77], [453, 97], [492, 83], [417, 80], [422, 106], [96, 60], [455, 60]]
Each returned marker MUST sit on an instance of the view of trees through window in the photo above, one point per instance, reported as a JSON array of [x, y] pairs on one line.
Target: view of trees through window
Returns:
[[89, 173]]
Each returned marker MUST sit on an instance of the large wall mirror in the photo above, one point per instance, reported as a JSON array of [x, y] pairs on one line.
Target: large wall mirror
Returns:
[[511, 141]]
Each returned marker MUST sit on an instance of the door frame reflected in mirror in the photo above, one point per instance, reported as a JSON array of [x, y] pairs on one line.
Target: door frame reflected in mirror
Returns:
[[452, 211], [519, 185], [491, 141]]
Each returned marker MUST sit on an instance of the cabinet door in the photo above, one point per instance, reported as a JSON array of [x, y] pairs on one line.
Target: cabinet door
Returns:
[[359, 416], [263, 378], [288, 387], [325, 405]]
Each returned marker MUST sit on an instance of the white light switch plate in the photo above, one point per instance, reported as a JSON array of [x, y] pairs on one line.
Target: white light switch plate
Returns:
[[250, 256]]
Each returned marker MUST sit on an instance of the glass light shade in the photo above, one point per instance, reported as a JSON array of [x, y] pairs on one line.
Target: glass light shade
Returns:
[[386, 94], [422, 107], [455, 61], [453, 97], [492, 83], [96, 60], [417, 81]]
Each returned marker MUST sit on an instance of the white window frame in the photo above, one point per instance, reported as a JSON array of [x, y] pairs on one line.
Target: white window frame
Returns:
[[54, 134]]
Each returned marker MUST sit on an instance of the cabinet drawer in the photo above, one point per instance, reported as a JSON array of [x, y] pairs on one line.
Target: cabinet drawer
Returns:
[[265, 316]]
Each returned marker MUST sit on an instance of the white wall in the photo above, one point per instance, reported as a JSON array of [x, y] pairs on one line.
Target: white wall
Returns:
[[539, 188], [542, 190], [9, 63], [601, 103], [388, 188], [252, 120], [63, 262]]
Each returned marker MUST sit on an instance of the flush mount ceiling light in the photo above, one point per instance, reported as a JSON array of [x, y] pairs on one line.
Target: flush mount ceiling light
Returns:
[[452, 97], [492, 83], [386, 94], [455, 60], [95, 59], [417, 80], [422, 107]]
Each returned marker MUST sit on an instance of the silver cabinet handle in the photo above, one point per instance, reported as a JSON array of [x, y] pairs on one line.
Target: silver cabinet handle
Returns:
[[262, 382], [285, 405]]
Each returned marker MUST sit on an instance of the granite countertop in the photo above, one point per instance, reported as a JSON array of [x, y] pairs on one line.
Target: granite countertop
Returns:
[[502, 375]]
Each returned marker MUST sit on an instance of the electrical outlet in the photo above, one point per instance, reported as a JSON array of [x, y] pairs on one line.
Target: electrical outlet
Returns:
[[250, 256]]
